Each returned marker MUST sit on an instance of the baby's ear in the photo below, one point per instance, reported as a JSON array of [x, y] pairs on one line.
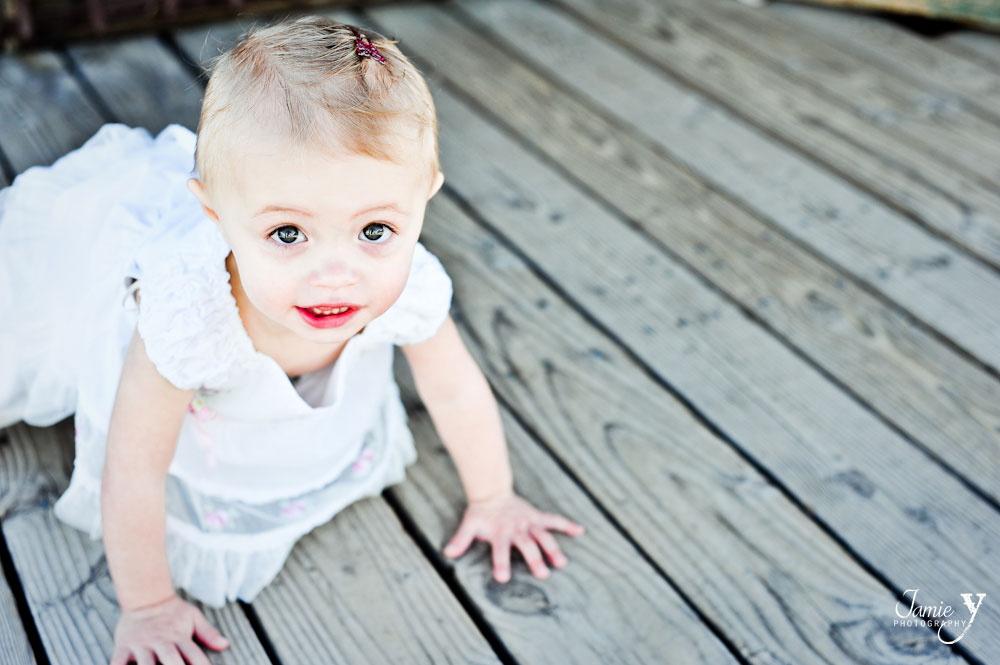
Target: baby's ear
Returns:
[[196, 188], [194, 185], [436, 185]]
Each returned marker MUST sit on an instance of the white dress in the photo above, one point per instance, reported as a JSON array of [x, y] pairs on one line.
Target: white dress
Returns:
[[260, 461]]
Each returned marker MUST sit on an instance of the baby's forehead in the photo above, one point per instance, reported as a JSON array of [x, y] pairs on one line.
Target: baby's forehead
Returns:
[[404, 147], [267, 173]]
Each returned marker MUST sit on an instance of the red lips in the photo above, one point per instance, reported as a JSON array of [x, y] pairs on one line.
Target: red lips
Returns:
[[329, 320]]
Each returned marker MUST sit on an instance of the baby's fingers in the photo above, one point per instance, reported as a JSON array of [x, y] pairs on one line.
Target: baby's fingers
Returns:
[[143, 657], [461, 540], [532, 555], [501, 558], [560, 523], [549, 544], [120, 656], [168, 655], [193, 654], [207, 633]]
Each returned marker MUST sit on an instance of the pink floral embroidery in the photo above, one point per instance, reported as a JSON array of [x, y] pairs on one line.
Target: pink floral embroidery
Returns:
[[216, 519], [364, 460], [201, 410], [203, 413], [293, 508]]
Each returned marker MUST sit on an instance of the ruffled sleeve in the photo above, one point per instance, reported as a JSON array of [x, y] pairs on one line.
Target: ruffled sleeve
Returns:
[[424, 303], [186, 309]]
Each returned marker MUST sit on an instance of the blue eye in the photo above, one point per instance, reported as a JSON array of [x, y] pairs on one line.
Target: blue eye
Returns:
[[284, 233], [376, 233]]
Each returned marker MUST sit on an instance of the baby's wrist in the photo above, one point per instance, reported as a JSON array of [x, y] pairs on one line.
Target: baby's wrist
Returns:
[[504, 492], [139, 604]]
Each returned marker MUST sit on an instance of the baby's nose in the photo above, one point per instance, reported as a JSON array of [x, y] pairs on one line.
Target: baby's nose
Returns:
[[334, 274]]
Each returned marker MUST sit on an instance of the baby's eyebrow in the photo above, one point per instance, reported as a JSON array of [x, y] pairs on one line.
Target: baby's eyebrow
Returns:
[[266, 210], [273, 208]]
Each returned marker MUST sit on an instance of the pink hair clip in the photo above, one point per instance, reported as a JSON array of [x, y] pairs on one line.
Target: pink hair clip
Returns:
[[365, 48]]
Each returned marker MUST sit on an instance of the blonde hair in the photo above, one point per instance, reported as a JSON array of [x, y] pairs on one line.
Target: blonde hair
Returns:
[[304, 80]]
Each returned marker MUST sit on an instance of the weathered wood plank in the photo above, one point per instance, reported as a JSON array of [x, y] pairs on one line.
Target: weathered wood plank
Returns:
[[899, 51], [948, 404], [358, 590], [142, 82], [955, 205], [985, 13], [14, 646], [64, 573], [43, 109], [735, 546], [943, 126], [862, 479], [978, 46], [942, 287]]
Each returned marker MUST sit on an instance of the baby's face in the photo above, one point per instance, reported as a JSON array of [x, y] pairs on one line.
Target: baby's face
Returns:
[[309, 230]]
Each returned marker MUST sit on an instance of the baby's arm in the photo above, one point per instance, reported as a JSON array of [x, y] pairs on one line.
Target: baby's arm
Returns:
[[465, 413], [155, 623], [142, 438]]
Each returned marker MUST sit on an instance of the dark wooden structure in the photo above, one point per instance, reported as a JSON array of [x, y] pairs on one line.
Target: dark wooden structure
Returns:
[[37, 23], [734, 275]]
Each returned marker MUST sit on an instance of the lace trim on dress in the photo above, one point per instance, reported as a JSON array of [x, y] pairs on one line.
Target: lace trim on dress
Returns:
[[186, 318]]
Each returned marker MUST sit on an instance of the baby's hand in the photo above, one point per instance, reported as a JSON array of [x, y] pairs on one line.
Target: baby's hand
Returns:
[[509, 518], [164, 631]]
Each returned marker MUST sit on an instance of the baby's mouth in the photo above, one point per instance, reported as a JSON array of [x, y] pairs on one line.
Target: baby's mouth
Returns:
[[327, 311], [327, 316]]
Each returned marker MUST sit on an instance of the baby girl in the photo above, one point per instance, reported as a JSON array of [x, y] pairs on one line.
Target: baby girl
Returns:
[[225, 341]]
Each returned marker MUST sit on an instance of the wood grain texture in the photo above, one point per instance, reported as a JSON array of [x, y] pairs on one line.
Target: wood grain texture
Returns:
[[947, 404], [974, 45], [141, 82], [722, 533], [859, 236], [358, 590], [14, 646], [64, 573], [982, 12], [945, 127], [955, 205], [900, 52], [607, 605], [778, 410], [44, 112]]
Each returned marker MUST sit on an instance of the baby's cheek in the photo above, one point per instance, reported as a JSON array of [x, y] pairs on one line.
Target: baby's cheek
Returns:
[[272, 294], [389, 288]]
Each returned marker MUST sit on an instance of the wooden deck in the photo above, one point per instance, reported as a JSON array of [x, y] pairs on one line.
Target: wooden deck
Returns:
[[734, 276]]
